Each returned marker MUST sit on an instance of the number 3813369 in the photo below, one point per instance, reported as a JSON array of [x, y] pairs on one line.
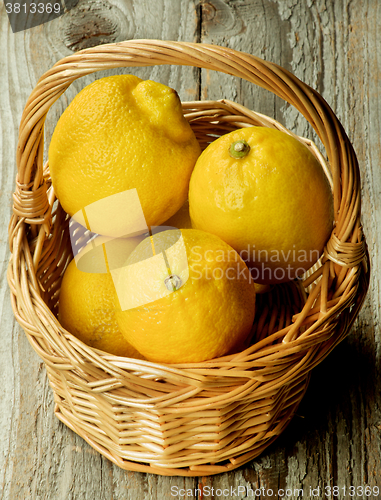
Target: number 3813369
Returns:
[[33, 8]]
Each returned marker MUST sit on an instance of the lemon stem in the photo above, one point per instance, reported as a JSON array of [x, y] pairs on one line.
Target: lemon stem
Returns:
[[173, 282], [239, 149]]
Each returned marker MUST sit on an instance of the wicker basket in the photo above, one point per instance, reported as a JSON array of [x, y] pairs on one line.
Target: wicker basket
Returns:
[[203, 418]]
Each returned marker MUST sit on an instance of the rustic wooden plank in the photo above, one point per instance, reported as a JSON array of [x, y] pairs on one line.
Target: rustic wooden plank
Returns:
[[249, 26], [335, 438]]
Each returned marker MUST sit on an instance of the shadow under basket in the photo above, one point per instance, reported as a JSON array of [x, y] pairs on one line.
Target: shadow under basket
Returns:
[[201, 418]]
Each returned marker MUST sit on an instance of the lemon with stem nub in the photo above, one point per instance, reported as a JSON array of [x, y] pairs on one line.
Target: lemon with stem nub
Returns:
[[264, 193], [197, 306]]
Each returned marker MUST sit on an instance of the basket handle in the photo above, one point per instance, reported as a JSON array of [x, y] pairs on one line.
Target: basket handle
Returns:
[[341, 156]]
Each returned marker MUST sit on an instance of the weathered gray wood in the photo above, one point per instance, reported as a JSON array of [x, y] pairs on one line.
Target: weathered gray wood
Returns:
[[335, 47]]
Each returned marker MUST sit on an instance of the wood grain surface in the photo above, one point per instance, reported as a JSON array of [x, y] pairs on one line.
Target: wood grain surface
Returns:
[[335, 438]]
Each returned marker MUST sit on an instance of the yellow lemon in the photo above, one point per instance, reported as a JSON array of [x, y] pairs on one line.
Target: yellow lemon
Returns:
[[185, 296], [121, 133], [265, 194], [86, 310]]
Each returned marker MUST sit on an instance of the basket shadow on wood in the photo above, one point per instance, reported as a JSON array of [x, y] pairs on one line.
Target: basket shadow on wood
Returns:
[[199, 418]]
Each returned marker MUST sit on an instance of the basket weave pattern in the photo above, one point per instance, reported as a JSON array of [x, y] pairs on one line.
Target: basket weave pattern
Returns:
[[201, 418]]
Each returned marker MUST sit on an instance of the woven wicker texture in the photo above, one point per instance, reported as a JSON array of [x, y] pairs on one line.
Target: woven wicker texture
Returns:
[[200, 418]]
